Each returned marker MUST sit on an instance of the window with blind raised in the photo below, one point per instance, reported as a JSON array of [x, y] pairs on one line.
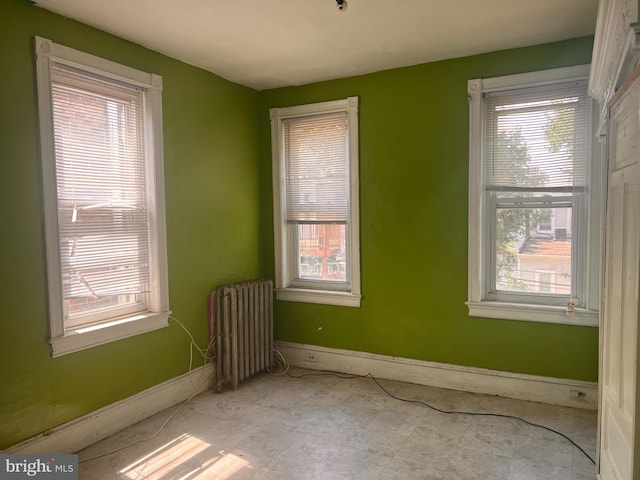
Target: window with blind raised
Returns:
[[530, 195], [102, 168], [315, 202]]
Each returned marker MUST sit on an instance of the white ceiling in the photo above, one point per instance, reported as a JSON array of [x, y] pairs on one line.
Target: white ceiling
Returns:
[[275, 43]]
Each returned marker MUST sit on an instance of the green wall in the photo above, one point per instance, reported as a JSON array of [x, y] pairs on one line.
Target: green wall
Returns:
[[413, 173], [413, 207], [212, 197]]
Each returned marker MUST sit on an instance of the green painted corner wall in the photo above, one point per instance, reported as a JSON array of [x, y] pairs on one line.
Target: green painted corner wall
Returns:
[[211, 159], [413, 172], [413, 194]]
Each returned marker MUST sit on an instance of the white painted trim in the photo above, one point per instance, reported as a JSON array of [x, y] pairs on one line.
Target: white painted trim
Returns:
[[314, 108], [82, 338], [556, 391], [77, 434], [322, 292], [476, 198], [344, 299], [43, 49], [481, 301], [65, 338], [614, 47], [534, 313], [535, 79], [91, 63]]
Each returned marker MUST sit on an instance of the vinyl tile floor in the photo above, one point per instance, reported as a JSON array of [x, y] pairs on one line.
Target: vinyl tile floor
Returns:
[[325, 427]]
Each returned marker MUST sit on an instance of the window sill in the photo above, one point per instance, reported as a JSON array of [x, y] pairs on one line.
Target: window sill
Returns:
[[343, 299], [533, 313], [86, 337]]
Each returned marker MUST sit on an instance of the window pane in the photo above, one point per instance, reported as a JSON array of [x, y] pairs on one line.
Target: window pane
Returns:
[[104, 303], [533, 250], [102, 208], [322, 252]]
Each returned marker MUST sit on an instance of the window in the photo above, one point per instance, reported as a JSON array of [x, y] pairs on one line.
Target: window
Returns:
[[534, 198], [103, 188], [315, 171]]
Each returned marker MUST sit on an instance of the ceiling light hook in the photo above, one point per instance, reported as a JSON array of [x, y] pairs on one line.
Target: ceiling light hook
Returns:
[[342, 5]]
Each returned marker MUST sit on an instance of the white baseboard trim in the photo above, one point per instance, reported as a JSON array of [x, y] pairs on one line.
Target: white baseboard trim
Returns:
[[556, 391], [77, 434]]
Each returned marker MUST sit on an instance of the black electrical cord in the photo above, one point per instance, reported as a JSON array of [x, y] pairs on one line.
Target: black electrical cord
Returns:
[[448, 412]]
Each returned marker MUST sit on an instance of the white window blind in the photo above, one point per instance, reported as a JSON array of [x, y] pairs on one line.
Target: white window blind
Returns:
[[102, 214], [549, 123], [315, 192], [534, 198], [316, 169]]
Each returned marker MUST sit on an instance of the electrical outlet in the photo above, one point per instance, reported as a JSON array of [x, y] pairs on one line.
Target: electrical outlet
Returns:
[[577, 394], [310, 357]]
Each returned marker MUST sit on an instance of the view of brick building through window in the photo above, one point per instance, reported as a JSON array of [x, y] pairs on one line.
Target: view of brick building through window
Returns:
[[322, 252], [101, 197]]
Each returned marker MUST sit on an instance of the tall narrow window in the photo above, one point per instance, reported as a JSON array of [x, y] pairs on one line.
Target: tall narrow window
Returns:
[[530, 194], [315, 201], [103, 200]]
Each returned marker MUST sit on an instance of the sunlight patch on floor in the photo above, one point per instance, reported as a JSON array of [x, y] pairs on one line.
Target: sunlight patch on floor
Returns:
[[184, 457]]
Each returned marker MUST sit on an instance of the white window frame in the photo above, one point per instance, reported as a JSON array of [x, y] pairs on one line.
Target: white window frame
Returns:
[[72, 338], [528, 308], [287, 287]]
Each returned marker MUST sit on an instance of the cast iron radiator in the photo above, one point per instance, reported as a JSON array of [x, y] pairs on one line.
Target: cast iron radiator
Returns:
[[241, 322]]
